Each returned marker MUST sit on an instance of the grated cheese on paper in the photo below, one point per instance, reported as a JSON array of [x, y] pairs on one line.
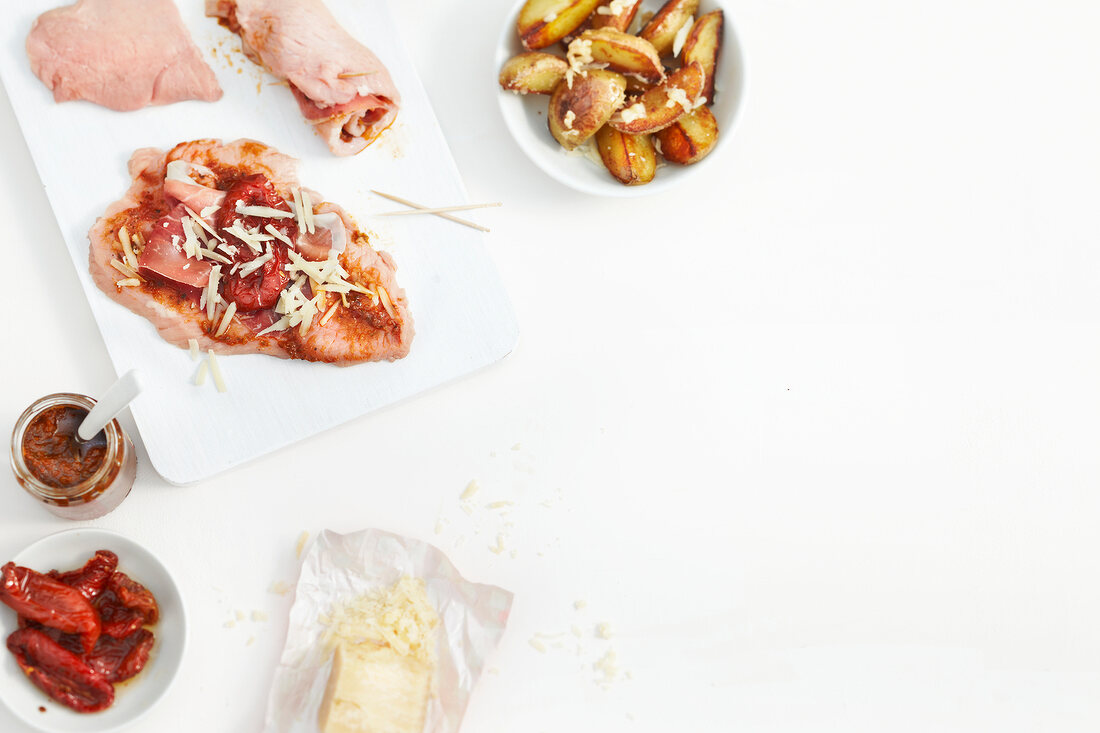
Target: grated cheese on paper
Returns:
[[216, 372]]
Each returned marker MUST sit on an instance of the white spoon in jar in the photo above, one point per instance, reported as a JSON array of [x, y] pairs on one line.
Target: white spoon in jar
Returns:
[[114, 400]]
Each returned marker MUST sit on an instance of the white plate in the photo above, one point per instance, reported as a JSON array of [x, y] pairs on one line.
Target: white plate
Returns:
[[525, 116], [462, 315], [69, 550]]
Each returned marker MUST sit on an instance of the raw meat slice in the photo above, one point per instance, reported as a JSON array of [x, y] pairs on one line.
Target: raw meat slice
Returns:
[[359, 316], [342, 88], [121, 54]]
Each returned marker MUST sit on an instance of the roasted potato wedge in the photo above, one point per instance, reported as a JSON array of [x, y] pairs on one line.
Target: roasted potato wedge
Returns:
[[704, 44], [577, 112], [542, 23], [690, 138], [662, 28], [616, 14], [663, 104], [624, 53], [630, 158], [533, 72]]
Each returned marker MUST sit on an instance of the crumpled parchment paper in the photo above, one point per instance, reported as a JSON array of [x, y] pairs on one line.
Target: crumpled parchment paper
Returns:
[[337, 568]]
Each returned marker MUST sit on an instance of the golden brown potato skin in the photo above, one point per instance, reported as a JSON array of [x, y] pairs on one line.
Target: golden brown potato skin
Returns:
[[630, 158], [690, 138], [658, 113], [566, 16], [593, 98], [533, 72], [704, 45], [619, 22], [625, 53], [661, 30]]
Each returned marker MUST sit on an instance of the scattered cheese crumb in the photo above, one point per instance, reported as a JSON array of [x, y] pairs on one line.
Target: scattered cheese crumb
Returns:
[[614, 8], [538, 645], [302, 539], [677, 96], [259, 616], [517, 446], [240, 615], [499, 547], [569, 118], [251, 641], [579, 604], [279, 588], [229, 624], [603, 630], [499, 504], [634, 112], [578, 54], [607, 665], [471, 489], [577, 631]]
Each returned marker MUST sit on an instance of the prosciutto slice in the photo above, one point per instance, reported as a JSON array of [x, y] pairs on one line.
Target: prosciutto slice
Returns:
[[369, 323], [341, 87], [121, 54]]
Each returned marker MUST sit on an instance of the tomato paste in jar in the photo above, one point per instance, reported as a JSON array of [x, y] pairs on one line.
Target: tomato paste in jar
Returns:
[[54, 453], [74, 479]]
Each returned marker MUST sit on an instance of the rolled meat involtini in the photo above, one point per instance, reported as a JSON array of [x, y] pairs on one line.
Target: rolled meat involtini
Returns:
[[342, 88]]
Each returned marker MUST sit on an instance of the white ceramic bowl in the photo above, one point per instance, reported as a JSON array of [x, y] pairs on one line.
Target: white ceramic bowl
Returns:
[[525, 116], [69, 550]]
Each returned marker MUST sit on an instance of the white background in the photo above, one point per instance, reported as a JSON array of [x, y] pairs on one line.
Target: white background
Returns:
[[817, 433]]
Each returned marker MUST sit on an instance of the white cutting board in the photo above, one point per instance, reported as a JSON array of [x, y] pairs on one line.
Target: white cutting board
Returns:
[[462, 315]]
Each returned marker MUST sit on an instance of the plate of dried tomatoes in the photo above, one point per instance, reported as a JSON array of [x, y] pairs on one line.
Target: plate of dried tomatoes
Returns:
[[94, 631]]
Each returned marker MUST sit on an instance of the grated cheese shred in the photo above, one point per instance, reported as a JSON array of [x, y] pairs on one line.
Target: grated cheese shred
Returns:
[[634, 112], [307, 212], [400, 617], [227, 318], [682, 34], [329, 313], [216, 371], [128, 251], [200, 375]]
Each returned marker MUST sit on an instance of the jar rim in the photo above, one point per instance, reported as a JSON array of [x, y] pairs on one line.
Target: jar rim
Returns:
[[113, 432]]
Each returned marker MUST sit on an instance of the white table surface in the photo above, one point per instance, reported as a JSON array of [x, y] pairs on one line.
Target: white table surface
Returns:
[[817, 433]]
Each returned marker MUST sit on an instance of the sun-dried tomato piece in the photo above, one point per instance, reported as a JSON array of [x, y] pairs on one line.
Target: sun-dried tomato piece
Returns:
[[91, 579], [59, 673], [66, 641], [49, 602], [121, 659], [259, 289], [118, 621], [133, 594]]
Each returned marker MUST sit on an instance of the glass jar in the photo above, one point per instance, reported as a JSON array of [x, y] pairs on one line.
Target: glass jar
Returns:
[[90, 497]]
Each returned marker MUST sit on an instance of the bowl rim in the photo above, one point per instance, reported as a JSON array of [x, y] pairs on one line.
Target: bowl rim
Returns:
[[614, 189], [172, 675]]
